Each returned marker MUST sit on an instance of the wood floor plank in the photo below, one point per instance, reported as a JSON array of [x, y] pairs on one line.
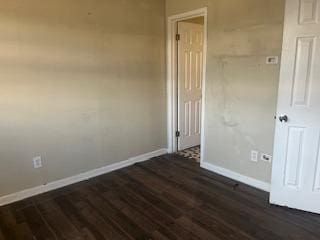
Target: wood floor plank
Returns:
[[166, 225], [158, 236], [11, 229], [158, 214], [168, 197], [196, 229], [229, 195], [82, 223], [60, 224], [7, 223], [228, 200], [174, 202], [110, 213], [106, 228], [1, 235], [38, 226]]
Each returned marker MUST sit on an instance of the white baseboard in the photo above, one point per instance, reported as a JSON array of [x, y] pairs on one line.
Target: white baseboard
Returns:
[[236, 176], [14, 197]]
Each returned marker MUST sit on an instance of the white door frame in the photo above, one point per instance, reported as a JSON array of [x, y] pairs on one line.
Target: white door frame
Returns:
[[172, 80]]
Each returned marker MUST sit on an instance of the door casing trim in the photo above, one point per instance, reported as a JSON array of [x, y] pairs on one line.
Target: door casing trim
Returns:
[[172, 77]]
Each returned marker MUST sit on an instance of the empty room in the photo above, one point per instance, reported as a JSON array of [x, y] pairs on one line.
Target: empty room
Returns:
[[160, 119]]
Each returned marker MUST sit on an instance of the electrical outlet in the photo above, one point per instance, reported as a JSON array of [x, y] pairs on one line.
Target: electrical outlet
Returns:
[[266, 157], [37, 162], [254, 156]]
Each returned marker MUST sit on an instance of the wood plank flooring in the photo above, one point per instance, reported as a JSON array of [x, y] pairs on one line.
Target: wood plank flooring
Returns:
[[168, 197]]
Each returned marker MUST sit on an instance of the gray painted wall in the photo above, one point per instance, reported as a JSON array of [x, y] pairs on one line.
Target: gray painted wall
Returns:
[[82, 84], [241, 90]]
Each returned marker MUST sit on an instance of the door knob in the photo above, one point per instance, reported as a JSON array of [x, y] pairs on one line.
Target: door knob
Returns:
[[283, 118]]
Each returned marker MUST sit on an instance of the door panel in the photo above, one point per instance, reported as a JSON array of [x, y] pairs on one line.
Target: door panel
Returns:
[[303, 69], [199, 70], [294, 157], [295, 173], [187, 119], [316, 185], [197, 117], [190, 71], [308, 11]]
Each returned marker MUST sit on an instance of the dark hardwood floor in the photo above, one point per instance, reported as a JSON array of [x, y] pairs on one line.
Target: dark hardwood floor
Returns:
[[168, 197]]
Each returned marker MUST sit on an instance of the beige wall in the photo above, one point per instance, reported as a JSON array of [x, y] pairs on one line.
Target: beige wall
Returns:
[[197, 20], [82, 84], [241, 90], [85, 91]]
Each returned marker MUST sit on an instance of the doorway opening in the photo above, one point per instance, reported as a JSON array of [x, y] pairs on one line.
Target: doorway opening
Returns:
[[187, 41]]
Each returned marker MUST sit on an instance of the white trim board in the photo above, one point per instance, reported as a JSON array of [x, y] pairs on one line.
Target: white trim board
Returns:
[[237, 176], [172, 76], [14, 197]]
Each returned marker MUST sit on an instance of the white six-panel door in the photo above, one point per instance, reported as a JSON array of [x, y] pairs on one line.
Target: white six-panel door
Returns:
[[296, 168], [190, 71]]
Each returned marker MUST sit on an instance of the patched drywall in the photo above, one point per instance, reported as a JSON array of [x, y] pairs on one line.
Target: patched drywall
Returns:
[[241, 89], [82, 85]]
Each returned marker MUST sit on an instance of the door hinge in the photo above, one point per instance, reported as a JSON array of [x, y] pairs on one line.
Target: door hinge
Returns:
[[178, 37], [177, 133]]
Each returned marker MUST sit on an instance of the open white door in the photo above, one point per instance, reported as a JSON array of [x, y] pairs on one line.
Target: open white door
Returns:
[[190, 69], [296, 167]]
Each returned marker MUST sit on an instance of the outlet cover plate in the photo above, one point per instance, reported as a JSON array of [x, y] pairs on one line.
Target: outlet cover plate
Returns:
[[37, 162], [254, 156]]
